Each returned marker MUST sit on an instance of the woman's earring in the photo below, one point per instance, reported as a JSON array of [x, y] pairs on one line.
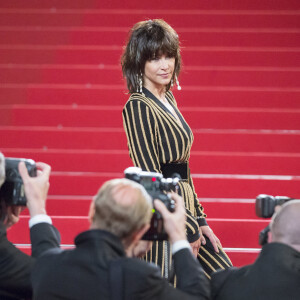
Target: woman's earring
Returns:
[[177, 82], [141, 83], [172, 83]]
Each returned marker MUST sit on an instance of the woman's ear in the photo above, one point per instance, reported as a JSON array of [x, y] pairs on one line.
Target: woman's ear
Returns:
[[92, 212], [139, 234], [269, 237]]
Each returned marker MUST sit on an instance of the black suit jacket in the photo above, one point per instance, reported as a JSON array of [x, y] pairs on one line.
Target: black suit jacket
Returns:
[[84, 273], [274, 275], [16, 266]]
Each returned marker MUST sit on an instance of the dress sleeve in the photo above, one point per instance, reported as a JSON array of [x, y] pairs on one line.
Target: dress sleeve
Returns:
[[140, 126], [199, 210]]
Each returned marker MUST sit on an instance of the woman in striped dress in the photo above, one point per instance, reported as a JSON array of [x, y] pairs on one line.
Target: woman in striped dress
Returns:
[[159, 139]]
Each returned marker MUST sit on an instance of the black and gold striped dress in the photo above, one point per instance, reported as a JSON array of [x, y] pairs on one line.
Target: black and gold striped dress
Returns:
[[155, 137]]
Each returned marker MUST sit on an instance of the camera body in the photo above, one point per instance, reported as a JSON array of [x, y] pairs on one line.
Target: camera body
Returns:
[[265, 208], [156, 186], [12, 190], [265, 204]]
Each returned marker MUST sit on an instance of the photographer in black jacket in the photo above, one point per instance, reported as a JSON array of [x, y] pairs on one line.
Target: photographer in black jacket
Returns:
[[15, 266], [102, 264], [276, 272]]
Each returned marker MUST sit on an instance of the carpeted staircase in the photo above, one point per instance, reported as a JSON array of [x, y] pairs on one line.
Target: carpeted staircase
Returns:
[[62, 93]]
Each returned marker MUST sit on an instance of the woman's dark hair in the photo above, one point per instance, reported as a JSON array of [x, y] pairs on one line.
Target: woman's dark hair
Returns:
[[147, 40]]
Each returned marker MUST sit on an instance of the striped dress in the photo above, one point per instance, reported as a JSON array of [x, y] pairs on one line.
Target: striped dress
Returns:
[[156, 137]]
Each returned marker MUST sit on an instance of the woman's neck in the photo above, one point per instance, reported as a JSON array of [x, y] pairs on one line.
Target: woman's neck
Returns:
[[158, 92]]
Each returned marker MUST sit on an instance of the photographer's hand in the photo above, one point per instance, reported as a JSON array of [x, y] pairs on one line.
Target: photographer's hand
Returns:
[[196, 246], [12, 217], [36, 188], [174, 223], [140, 249]]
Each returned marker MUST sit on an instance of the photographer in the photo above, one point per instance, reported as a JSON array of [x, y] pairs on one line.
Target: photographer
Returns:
[[102, 267], [276, 272], [15, 266]]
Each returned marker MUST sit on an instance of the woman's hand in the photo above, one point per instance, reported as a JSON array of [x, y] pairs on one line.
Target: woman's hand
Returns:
[[205, 230]]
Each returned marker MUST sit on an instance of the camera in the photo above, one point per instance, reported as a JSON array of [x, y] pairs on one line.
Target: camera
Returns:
[[265, 204], [157, 187], [265, 208], [12, 190]]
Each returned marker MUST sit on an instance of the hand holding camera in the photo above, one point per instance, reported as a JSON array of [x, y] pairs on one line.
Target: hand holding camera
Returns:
[[174, 222], [24, 180], [12, 215], [36, 188], [140, 249], [157, 187], [12, 190]]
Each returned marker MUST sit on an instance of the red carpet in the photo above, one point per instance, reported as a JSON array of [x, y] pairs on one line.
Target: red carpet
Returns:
[[62, 92]]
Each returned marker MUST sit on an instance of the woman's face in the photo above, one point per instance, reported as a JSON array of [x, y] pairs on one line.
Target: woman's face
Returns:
[[158, 72]]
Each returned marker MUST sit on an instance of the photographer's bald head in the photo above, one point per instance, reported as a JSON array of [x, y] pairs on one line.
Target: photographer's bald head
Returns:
[[285, 225], [122, 207]]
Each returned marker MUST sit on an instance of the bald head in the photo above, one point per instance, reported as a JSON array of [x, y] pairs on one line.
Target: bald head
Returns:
[[2, 169], [122, 207], [285, 225]]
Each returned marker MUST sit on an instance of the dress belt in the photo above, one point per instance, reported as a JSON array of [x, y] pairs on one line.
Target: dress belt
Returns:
[[168, 170]]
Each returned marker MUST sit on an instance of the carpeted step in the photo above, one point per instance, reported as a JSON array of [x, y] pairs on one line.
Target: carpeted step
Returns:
[[214, 208], [229, 208], [69, 227], [111, 74], [251, 57], [111, 117], [206, 185], [115, 138], [231, 37], [200, 162], [125, 17], [210, 96], [240, 257], [137, 4], [26, 248]]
